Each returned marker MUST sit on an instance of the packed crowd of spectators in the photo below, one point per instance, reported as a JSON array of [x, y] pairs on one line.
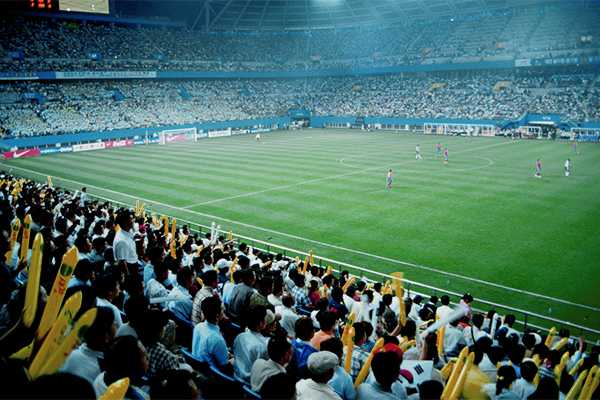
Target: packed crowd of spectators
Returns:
[[48, 44], [184, 315], [68, 107]]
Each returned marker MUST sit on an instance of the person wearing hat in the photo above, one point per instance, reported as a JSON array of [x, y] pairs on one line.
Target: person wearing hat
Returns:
[[321, 366]]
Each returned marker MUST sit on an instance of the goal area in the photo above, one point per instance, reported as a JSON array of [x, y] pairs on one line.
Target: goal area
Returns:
[[178, 135]]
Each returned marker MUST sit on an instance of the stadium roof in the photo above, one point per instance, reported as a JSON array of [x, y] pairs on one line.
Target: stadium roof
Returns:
[[311, 14]]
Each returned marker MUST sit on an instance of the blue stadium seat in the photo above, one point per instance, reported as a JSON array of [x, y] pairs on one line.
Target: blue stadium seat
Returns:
[[195, 362]]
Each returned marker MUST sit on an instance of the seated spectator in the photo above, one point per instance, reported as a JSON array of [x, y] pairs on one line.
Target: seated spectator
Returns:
[[155, 288], [298, 290], [84, 274], [260, 296], [430, 390], [524, 386], [328, 323], [107, 290], [174, 384], [321, 367], [125, 358], [386, 370], [444, 310], [313, 292], [182, 303], [547, 388], [160, 359], [502, 389], [85, 360], [208, 343], [453, 339], [280, 354], [239, 299], [288, 315], [336, 303], [210, 282], [60, 385], [278, 387], [359, 356], [250, 345], [136, 308], [341, 383], [303, 348]]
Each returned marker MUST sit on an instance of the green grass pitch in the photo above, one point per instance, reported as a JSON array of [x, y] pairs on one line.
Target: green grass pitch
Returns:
[[482, 216]]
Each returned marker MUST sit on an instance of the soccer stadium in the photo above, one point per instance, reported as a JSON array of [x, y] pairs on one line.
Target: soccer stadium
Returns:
[[300, 199]]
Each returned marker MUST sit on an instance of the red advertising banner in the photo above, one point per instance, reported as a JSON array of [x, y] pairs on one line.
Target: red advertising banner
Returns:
[[118, 143], [21, 153]]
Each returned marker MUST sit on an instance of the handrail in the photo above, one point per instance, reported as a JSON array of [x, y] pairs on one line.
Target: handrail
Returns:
[[383, 275]]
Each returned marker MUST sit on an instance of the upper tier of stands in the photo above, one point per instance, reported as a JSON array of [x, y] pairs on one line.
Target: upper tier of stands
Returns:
[[67, 107], [541, 31]]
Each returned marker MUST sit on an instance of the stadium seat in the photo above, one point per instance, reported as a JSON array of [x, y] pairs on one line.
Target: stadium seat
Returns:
[[197, 364], [250, 394]]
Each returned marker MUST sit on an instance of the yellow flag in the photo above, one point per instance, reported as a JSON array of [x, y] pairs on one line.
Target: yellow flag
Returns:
[[576, 388], [165, 222], [67, 267], [57, 333], [25, 238], [462, 358], [116, 391], [173, 229], [348, 326], [550, 336], [33, 281], [586, 392], [440, 340], [14, 233], [460, 383], [329, 270], [399, 288], [229, 236], [56, 359], [349, 282], [364, 371], [349, 344], [232, 269], [49, 181], [560, 344]]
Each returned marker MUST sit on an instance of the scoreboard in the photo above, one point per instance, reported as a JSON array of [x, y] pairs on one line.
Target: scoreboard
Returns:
[[82, 6]]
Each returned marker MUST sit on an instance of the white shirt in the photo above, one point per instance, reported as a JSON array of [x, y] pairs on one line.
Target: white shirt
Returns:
[[248, 347], [307, 389], [522, 388], [83, 362], [262, 370], [124, 247], [443, 312], [155, 289], [452, 338], [288, 320], [100, 302]]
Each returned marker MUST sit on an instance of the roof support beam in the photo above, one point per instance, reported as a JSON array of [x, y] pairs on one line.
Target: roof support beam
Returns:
[[219, 14]]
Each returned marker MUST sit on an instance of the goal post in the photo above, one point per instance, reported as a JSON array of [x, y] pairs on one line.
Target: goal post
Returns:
[[178, 135]]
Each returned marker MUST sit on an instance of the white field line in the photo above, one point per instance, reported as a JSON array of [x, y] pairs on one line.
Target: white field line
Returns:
[[319, 243], [326, 178]]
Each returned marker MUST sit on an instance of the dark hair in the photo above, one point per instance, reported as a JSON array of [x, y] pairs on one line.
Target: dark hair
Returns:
[[183, 275], [278, 347], [287, 300], [528, 370], [210, 276], [60, 385], [386, 368], [510, 319], [255, 316], [95, 336], [359, 332], [105, 284], [173, 384], [280, 386], [547, 389], [477, 320], [154, 323], [211, 308], [333, 345], [122, 359], [430, 390], [84, 269], [327, 320], [505, 377], [304, 328], [135, 309], [516, 354]]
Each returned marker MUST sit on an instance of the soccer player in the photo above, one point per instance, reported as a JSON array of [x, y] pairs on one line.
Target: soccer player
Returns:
[[445, 155], [568, 167], [389, 179], [438, 149], [538, 168], [258, 137], [418, 155], [574, 146]]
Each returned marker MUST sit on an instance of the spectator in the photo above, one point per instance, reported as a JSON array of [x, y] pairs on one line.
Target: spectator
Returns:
[[386, 369], [328, 323], [251, 345], [524, 386], [302, 345], [210, 282], [160, 359], [341, 383], [502, 388], [182, 302], [321, 366], [240, 295], [280, 354], [288, 315], [107, 290], [278, 387], [208, 343]]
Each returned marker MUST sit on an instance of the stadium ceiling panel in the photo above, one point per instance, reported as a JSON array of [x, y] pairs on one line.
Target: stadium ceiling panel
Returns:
[[314, 14]]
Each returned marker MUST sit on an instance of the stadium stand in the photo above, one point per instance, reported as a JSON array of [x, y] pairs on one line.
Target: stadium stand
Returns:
[[104, 105], [136, 268]]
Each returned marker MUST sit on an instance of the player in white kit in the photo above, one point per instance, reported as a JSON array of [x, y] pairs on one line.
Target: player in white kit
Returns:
[[258, 137], [568, 166], [418, 155]]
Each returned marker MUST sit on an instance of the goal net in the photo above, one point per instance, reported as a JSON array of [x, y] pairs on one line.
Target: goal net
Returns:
[[178, 135]]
